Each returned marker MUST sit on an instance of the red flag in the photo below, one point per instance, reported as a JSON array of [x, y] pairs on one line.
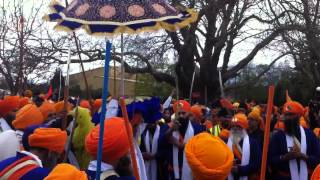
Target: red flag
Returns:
[[49, 93]]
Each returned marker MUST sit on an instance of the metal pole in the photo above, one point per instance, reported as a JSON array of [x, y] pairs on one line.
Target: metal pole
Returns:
[[122, 68], [221, 84], [103, 107], [60, 74], [192, 82], [114, 78]]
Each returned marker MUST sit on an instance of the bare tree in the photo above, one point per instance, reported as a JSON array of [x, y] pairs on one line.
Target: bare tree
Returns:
[[304, 43]]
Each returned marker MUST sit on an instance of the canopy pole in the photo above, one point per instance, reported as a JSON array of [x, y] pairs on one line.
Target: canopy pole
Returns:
[[103, 107], [192, 82], [267, 134], [66, 90], [122, 67], [130, 137], [221, 84]]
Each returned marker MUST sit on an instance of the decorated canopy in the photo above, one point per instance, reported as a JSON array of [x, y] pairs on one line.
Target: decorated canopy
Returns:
[[109, 17]]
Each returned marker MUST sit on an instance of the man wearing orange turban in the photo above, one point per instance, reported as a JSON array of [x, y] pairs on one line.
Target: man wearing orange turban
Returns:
[[47, 109], [197, 113], [23, 101], [174, 137], [66, 171], [45, 147], [295, 150], [254, 130], [85, 104], [8, 108], [27, 116], [247, 152], [114, 151], [209, 157]]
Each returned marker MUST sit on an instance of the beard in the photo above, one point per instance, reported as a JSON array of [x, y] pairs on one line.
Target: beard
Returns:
[[291, 126], [183, 124], [237, 135], [123, 167]]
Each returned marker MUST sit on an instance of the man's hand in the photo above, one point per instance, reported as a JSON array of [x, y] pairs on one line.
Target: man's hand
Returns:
[[147, 156], [235, 169], [291, 155]]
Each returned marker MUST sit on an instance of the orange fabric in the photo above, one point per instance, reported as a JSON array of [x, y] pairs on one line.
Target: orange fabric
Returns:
[[97, 104], [293, 107], [226, 104], [66, 171], [9, 103], [27, 116], [197, 112], [209, 157], [181, 105], [279, 125], [28, 93], [85, 104], [23, 101], [316, 173], [316, 131], [8, 168], [303, 122], [60, 105], [208, 124], [46, 108], [21, 172], [52, 139], [115, 140], [255, 115], [240, 120], [236, 152], [224, 134]]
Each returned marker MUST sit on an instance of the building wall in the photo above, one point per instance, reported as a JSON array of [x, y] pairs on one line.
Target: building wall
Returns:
[[95, 81]]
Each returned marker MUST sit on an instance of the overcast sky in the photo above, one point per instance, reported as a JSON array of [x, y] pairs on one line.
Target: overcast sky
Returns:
[[263, 57]]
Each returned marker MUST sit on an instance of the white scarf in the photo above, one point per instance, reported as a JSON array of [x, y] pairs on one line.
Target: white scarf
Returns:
[[35, 157], [295, 174], [4, 126], [186, 171], [151, 166], [140, 162], [245, 153]]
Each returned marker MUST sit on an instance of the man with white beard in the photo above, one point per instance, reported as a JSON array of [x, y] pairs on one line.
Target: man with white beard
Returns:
[[247, 153]]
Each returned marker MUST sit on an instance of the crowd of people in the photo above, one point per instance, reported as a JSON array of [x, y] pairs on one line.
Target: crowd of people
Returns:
[[173, 140]]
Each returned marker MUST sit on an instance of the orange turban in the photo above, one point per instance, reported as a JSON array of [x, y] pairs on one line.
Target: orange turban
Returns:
[[226, 104], [46, 108], [224, 134], [97, 104], [293, 107], [316, 173], [60, 105], [279, 125], [28, 93], [24, 101], [181, 105], [27, 116], [240, 120], [209, 157], [9, 104], [197, 112], [52, 139], [66, 171], [115, 140], [85, 104], [255, 115], [316, 131]]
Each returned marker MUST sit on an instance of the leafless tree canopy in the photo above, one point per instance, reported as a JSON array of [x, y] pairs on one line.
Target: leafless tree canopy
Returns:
[[222, 29]]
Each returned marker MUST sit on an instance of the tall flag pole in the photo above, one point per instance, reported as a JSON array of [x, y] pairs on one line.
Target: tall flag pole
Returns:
[[267, 134]]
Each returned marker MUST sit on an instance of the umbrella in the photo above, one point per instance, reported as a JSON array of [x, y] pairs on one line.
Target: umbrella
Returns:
[[113, 17]]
